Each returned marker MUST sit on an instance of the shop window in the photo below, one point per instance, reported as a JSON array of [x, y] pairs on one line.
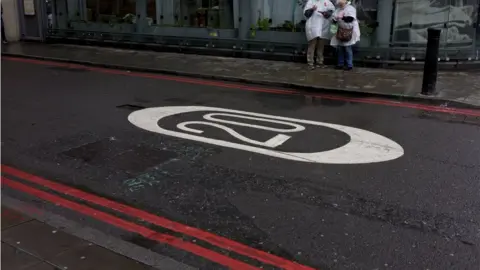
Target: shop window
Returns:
[[111, 11], [278, 15], [152, 12], [456, 18], [367, 18], [287, 15], [477, 56], [192, 13]]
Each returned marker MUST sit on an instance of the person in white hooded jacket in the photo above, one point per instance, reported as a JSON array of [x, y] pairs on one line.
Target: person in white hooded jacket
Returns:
[[317, 28], [345, 17]]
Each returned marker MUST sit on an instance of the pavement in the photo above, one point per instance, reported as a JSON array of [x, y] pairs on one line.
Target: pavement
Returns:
[[30, 244], [453, 87], [172, 172]]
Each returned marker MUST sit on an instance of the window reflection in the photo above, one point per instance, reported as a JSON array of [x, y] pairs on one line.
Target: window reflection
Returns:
[[478, 32], [111, 11], [414, 17], [48, 4], [192, 13], [277, 16]]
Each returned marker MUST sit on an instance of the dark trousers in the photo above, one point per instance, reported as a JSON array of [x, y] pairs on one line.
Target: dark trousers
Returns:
[[345, 55]]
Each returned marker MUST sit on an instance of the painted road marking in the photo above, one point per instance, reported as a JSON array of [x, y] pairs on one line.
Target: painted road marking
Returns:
[[180, 79], [364, 146], [208, 237], [272, 142], [129, 226], [211, 117]]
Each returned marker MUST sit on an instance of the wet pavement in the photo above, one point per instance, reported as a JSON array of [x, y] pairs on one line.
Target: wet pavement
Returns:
[[457, 87], [404, 196], [29, 244]]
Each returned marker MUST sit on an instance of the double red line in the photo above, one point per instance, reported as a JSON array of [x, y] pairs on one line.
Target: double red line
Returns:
[[221, 242], [376, 101]]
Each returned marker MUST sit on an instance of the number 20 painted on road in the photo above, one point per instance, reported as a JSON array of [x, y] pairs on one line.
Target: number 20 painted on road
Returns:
[[364, 146]]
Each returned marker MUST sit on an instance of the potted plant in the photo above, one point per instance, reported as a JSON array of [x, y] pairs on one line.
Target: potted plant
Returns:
[[262, 25], [366, 32]]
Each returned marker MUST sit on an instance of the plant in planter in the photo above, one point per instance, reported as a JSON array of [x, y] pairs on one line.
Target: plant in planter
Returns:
[[288, 26], [129, 18], [262, 25], [301, 25], [366, 29]]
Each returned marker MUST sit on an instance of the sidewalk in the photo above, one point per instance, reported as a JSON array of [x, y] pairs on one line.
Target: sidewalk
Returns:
[[454, 88], [29, 244]]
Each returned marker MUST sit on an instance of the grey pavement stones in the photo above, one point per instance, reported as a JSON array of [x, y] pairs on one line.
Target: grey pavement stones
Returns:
[[16, 212], [14, 258], [29, 244]]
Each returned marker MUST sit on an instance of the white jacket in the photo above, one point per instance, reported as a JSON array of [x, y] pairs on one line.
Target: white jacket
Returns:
[[317, 25], [350, 11]]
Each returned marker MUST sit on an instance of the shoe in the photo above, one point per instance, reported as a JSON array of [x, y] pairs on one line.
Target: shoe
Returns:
[[4, 42], [311, 67], [348, 68], [320, 66], [338, 67]]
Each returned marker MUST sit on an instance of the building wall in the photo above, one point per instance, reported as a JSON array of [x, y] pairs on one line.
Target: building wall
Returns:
[[398, 26], [10, 19]]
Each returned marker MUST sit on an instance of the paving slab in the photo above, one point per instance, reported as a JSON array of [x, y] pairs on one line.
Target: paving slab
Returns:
[[12, 218], [40, 239], [15, 259], [92, 257], [30, 244]]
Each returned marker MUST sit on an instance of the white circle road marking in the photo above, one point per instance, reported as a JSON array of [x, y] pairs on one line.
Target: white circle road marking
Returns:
[[364, 146]]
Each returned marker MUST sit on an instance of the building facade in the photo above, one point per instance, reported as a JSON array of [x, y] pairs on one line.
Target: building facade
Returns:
[[393, 30]]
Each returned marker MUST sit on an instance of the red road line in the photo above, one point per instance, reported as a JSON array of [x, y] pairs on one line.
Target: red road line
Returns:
[[469, 112], [160, 221], [129, 226]]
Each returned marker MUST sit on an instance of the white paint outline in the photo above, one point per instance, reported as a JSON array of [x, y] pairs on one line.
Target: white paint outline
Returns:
[[297, 127], [364, 146], [272, 143]]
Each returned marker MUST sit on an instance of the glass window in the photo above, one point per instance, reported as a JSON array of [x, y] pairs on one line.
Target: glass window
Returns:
[[111, 11], [192, 13], [367, 18], [278, 15], [456, 18], [287, 15], [478, 32], [152, 12], [49, 9]]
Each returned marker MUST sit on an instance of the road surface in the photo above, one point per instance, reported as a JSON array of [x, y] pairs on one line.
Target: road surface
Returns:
[[216, 175]]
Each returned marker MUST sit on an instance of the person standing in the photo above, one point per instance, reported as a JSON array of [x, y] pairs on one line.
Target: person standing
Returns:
[[347, 35], [4, 37], [317, 28]]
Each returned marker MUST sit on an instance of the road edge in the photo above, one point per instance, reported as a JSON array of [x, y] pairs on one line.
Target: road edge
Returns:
[[430, 100], [121, 247]]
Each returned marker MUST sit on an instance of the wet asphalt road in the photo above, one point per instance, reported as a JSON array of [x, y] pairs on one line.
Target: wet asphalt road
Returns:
[[419, 211]]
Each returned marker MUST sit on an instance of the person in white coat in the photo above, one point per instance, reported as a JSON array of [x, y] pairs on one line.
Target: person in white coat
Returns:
[[317, 28], [345, 17]]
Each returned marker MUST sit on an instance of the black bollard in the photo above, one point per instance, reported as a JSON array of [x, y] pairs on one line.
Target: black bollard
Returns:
[[430, 68]]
